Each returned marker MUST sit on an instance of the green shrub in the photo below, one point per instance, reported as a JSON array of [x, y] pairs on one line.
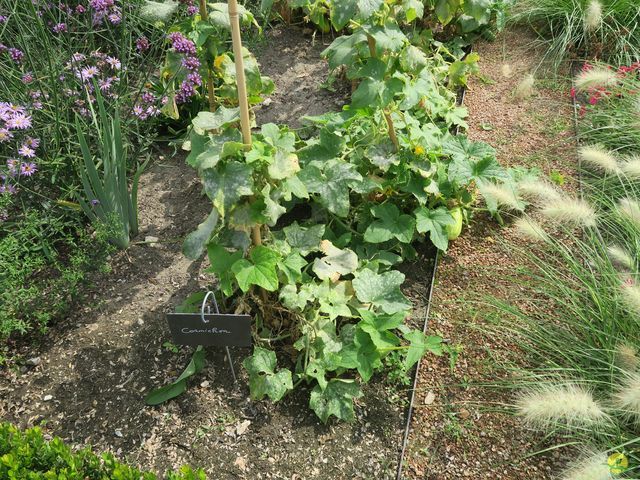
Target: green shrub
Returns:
[[27, 455]]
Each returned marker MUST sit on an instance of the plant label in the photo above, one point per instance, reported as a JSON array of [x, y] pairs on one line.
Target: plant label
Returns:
[[220, 330]]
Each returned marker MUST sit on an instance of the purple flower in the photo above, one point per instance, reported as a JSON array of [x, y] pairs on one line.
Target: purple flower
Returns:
[[5, 135], [142, 44], [80, 9], [12, 165], [115, 18], [26, 151], [16, 55], [19, 122], [192, 10], [28, 169], [59, 27], [32, 142], [78, 57], [138, 111], [88, 73], [94, 202], [105, 85], [37, 105], [3, 19], [101, 5], [113, 63], [181, 44], [191, 63], [194, 78], [27, 77]]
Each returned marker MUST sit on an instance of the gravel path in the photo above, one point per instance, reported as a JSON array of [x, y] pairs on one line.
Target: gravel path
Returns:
[[460, 430]]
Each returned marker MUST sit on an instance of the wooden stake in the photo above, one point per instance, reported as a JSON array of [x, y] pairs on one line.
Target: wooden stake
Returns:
[[204, 14], [245, 123]]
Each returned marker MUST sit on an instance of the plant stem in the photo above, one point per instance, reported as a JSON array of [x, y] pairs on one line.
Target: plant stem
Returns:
[[371, 42], [210, 91]]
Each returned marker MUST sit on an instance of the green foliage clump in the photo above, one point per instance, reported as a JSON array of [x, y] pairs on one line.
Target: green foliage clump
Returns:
[[604, 29], [26, 455]]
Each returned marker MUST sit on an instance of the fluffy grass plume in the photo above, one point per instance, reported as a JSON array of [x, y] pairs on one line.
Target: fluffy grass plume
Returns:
[[593, 16], [631, 167], [502, 195], [599, 158], [506, 70], [550, 405], [630, 209], [627, 396], [627, 357], [571, 212], [158, 11], [529, 229], [631, 295], [593, 466], [538, 190], [595, 78], [525, 87], [621, 257]]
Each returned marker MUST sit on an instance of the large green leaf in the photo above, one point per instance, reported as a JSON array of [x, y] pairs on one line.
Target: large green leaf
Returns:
[[331, 181], [366, 8], [259, 269], [161, 395], [228, 184], [390, 224], [336, 399], [343, 50], [222, 117], [382, 290], [419, 345], [389, 36], [263, 379], [305, 239], [284, 165], [434, 221], [342, 12], [335, 263], [197, 240], [221, 261]]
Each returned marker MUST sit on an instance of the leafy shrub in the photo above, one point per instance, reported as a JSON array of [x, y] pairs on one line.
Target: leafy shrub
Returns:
[[44, 262], [27, 455], [373, 180]]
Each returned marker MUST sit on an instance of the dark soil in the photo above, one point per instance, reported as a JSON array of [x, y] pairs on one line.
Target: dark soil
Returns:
[[87, 377], [291, 57]]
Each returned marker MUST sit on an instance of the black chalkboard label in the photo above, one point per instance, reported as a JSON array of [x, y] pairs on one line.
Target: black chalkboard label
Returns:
[[219, 330]]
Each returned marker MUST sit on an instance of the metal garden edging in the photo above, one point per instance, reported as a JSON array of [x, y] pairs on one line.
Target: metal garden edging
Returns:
[[425, 328]]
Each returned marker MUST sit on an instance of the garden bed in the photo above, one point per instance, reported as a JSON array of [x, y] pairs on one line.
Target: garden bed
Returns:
[[87, 379]]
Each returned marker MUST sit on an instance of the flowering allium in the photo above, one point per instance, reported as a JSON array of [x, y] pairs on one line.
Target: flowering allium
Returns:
[[59, 27], [192, 10], [142, 44], [101, 5], [16, 55]]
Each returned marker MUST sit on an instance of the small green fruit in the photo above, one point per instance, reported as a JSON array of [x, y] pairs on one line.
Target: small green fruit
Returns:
[[454, 229]]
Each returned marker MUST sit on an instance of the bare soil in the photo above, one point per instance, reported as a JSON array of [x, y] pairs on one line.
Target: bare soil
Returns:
[[291, 57], [461, 429], [87, 377]]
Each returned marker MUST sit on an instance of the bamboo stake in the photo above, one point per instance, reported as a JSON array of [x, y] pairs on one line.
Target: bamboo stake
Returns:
[[204, 14], [245, 123]]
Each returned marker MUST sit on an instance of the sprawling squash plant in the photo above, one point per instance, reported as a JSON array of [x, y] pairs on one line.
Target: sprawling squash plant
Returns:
[[339, 211]]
